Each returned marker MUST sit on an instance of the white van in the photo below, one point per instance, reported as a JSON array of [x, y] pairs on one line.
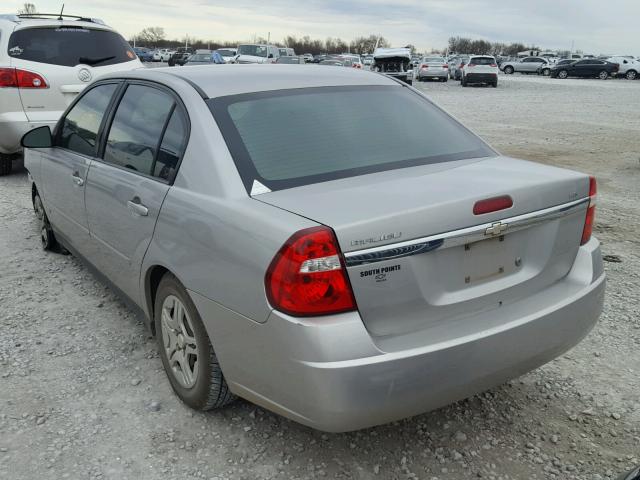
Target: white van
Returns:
[[44, 63]]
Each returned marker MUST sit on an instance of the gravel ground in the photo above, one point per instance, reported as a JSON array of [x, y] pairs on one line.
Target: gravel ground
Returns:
[[83, 394]]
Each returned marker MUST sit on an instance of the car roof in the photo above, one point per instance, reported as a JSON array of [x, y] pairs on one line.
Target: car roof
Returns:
[[220, 81]]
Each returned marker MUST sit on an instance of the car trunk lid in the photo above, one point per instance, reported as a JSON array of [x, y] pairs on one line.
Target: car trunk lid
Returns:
[[443, 262]]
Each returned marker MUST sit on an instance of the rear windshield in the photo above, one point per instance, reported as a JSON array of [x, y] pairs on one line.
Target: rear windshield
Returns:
[[289, 138], [226, 53], [70, 46], [482, 61], [255, 50], [433, 60]]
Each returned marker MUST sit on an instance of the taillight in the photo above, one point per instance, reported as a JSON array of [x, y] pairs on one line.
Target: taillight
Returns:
[[461, 65], [591, 211], [494, 204], [494, 65], [307, 277], [471, 65], [424, 66], [445, 66], [16, 78]]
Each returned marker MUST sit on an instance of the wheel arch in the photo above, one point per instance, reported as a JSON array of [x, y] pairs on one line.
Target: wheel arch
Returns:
[[152, 278]]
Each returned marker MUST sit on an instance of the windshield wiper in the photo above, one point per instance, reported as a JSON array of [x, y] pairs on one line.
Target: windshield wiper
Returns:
[[95, 61]]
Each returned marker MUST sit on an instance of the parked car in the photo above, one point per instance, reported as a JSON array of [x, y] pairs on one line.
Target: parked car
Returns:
[[228, 54], [257, 54], [291, 60], [205, 58], [286, 52], [44, 63], [179, 58], [144, 54], [162, 55], [332, 62], [545, 69], [308, 58], [480, 69], [394, 62], [353, 61], [587, 68], [367, 60], [455, 270], [524, 65], [433, 68], [628, 67], [455, 66]]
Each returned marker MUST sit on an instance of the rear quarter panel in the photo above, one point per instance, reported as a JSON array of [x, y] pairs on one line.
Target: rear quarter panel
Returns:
[[216, 239]]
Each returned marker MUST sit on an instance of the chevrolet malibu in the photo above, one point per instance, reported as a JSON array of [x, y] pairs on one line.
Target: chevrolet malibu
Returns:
[[342, 284]]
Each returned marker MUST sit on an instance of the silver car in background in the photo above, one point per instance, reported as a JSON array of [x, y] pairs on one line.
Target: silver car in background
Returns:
[[340, 287], [433, 68]]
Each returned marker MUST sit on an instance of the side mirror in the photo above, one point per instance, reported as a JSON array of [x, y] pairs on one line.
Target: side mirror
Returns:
[[38, 138]]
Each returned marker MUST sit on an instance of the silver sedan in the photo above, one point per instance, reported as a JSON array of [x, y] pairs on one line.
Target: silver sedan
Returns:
[[433, 68], [278, 257]]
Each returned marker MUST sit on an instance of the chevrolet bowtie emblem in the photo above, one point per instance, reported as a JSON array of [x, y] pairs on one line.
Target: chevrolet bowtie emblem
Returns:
[[496, 229]]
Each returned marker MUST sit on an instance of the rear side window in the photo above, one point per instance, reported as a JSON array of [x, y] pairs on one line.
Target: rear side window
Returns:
[[173, 144], [137, 128], [483, 61], [295, 137], [69, 46], [79, 129]]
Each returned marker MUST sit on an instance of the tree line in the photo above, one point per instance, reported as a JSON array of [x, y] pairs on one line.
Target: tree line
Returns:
[[483, 47], [155, 37]]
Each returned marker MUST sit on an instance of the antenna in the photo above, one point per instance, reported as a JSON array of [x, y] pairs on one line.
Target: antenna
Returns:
[[61, 10]]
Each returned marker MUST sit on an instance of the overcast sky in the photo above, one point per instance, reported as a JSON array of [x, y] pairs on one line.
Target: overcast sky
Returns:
[[594, 26]]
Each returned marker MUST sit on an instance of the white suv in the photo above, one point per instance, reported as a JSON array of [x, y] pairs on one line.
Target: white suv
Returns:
[[480, 69], [44, 63]]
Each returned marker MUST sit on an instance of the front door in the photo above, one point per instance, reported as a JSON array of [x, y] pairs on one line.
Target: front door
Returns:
[[126, 187], [65, 166]]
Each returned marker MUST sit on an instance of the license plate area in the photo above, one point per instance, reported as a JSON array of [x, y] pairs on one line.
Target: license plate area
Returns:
[[489, 260]]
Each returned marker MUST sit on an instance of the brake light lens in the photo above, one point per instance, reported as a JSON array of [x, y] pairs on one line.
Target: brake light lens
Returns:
[[17, 78], [494, 204], [424, 66], [445, 66], [591, 211], [307, 277], [471, 65], [494, 65]]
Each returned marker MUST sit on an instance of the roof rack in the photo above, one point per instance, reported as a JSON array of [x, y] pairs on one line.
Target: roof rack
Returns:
[[60, 16]]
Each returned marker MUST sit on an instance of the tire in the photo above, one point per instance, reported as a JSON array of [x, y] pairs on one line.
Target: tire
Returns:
[[631, 75], [409, 82], [6, 164], [603, 75], [509, 70], [546, 72], [208, 389], [445, 79], [494, 84], [563, 74], [463, 81], [47, 237]]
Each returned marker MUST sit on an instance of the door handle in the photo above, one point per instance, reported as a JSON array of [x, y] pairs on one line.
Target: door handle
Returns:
[[136, 207], [77, 179]]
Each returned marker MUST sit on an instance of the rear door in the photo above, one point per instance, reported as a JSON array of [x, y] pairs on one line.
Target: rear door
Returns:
[[127, 185], [68, 57], [64, 167]]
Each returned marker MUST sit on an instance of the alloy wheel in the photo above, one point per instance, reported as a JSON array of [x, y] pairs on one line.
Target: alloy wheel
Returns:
[[563, 74], [603, 75], [179, 341], [631, 75]]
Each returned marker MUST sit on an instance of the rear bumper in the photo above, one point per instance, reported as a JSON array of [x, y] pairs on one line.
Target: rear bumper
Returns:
[[13, 125], [481, 77], [328, 373], [433, 73]]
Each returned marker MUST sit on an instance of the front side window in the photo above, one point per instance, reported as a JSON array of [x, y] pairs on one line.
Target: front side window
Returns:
[[137, 128], [79, 129], [70, 46], [296, 137]]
